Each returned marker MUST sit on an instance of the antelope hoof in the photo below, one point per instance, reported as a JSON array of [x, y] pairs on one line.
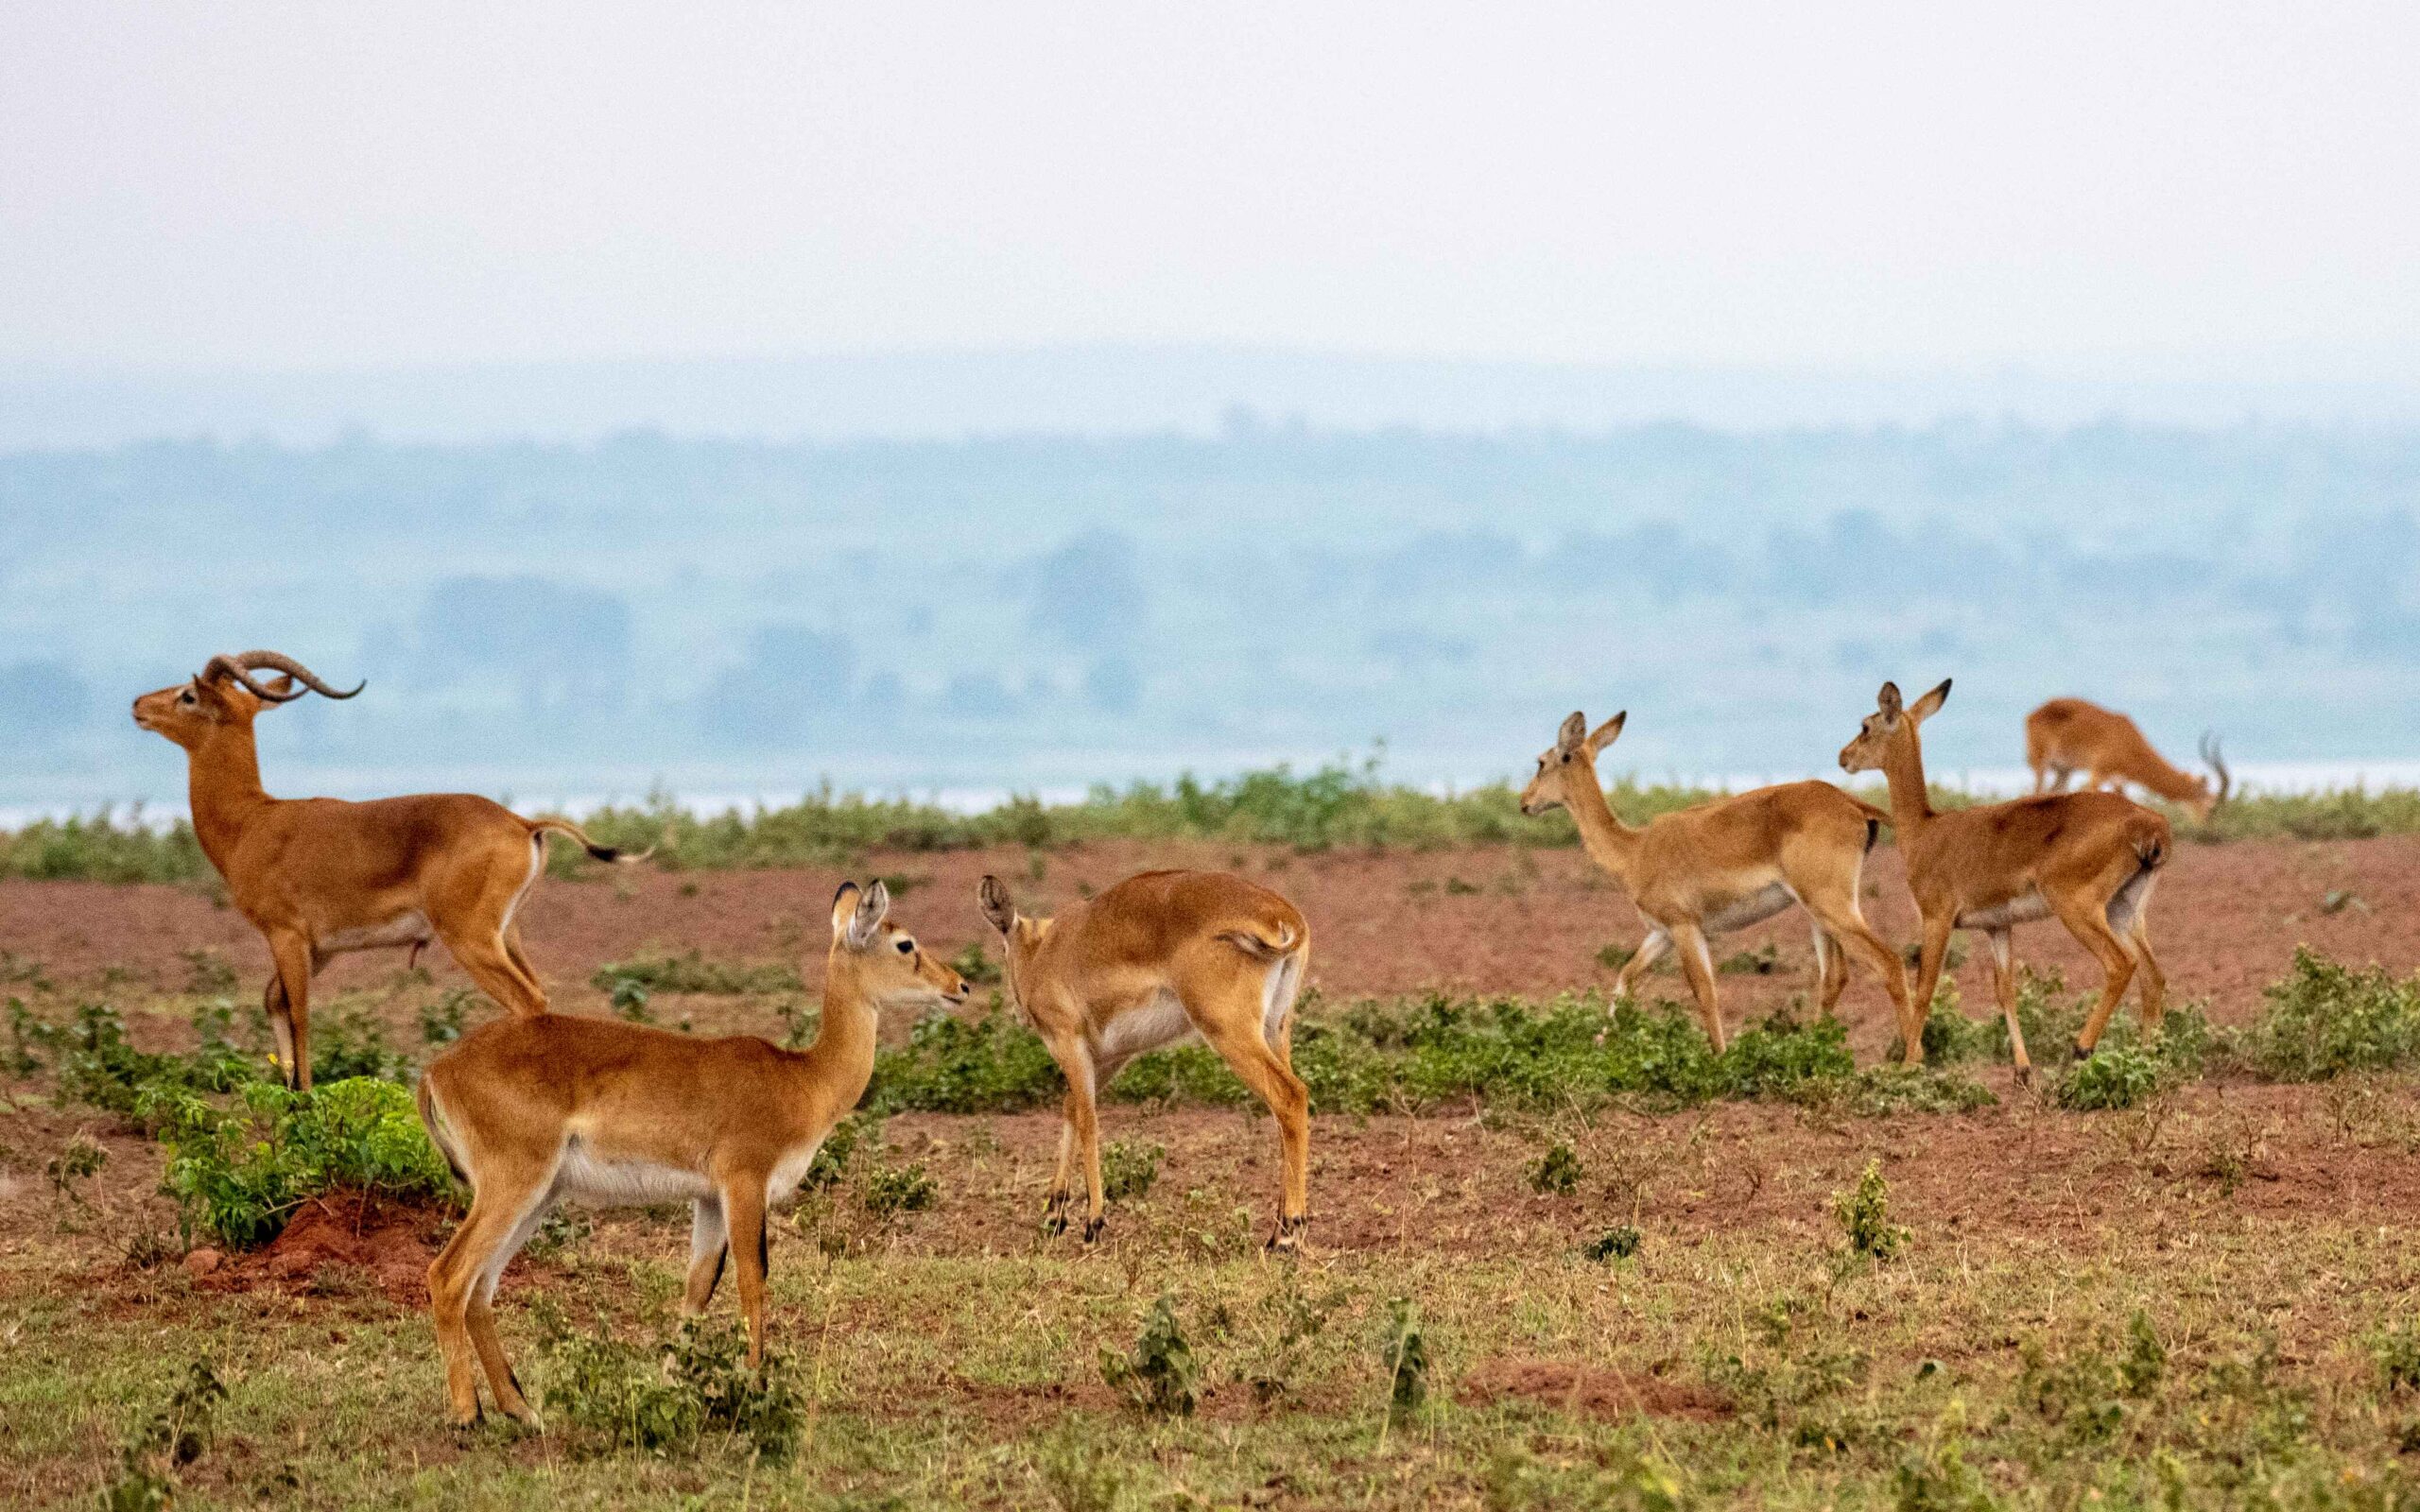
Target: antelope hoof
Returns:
[[1054, 1214], [1288, 1236], [2025, 1075], [463, 1423], [1092, 1228], [2083, 1051]]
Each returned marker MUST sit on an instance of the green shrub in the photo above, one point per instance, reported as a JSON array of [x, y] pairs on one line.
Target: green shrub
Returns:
[[1864, 1214], [2397, 1353], [1557, 1172], [1158, 1375], [1128, 1171], [900, 1188], [2324, 1019], [978, 969], [1404, 1350], [348, 1042], [663, 1397], [2113, 1077], [690, 971], [831, 1160], [1620, 1242], [240, 1172], [160, 1447], [987, 1064], [100, 1066]]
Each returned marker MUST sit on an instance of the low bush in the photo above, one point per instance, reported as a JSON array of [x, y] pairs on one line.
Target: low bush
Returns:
[[1864, 1214], [1158, 1375], [239, 1171], [1556, 1173], [900, 1188], [2115, 1077], [664, 1398], [2325, 1019], [1128, 1171], [691, 971]]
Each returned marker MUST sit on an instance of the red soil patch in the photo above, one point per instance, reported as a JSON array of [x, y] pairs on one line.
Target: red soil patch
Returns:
[[332, 1241], [1591, 1389]]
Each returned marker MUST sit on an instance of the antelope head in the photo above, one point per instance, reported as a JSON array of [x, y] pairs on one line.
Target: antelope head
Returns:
[[1890, 717], [1572, 758], [225, 694]]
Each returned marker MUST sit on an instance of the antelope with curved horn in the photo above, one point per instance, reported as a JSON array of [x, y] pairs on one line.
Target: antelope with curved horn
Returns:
[[2068, 735], [1155, 959], [1725, 865], [2089, 858], [530, 1111], [318, 876]]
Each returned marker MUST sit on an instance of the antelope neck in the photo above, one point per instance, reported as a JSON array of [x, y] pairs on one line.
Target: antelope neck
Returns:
[[1608, 841]]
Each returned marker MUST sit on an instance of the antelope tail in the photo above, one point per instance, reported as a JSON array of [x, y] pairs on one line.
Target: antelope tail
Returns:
[[556, 824], [1261, 944], [433, 1118]]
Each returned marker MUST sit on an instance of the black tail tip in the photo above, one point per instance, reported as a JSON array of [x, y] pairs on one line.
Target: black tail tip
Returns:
[[604, 852]]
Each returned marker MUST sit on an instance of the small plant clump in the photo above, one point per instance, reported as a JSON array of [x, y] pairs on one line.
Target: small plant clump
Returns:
[[1404, 1350], [1864, 1214], [667, 1396], [1620, 1242], [900, 1188], [1556, 1173], [691, 971], [1128, 1171], [1158, 1375], [978, 969], [2325, 1020], [164, 1444], [2117, 1077]]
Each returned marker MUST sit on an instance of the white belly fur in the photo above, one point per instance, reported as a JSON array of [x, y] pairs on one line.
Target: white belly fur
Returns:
[[607, 1182], [786, 1176], [404, 929], [2024, 910], [1149, 1026], [1754, 908]]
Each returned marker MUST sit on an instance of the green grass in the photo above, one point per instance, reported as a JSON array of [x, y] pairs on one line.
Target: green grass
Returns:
[[1336, 804]]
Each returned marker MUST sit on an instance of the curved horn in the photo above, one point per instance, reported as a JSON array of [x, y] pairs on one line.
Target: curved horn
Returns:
[[279, 662], [229, 667], [2210, 755]]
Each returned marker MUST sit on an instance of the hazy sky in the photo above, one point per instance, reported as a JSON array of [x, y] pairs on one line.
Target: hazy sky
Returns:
[[2060, 184]]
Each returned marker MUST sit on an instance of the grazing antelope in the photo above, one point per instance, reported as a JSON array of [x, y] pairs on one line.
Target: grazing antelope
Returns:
[[530, 1111], [1162, 955], [2090, 858], [2068, 735], [318, 876], [1725, 865]]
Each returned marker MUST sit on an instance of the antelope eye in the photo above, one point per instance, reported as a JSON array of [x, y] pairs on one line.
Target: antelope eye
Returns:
[[185, 697], [907, 947]]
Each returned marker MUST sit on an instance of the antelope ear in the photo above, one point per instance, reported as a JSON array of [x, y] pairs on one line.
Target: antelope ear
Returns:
[[281, 685], [1574, 730], [1926, 706], [992, 896], [871, 909], [844, 910], [1607, 733], [1888, 700]]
